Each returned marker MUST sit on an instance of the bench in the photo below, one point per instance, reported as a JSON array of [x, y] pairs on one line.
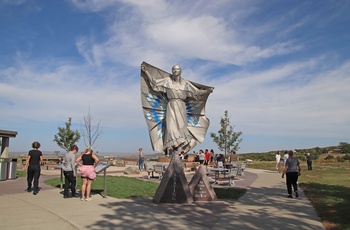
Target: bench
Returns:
[[231, 175], [155, 167], [160, 169], [49, 166], [241, 168]]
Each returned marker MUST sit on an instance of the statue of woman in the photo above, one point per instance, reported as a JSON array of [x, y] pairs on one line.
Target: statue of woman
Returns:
[[174, 108]]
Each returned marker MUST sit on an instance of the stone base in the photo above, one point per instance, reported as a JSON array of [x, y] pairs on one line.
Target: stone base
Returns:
[[200, 186], [173, 187]]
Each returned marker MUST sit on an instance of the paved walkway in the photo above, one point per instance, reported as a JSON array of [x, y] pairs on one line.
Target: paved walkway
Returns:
[[264, 206]]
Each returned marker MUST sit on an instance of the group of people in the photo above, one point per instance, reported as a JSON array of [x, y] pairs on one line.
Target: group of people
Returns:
[[87, 162], [291, 169], [206, 157]]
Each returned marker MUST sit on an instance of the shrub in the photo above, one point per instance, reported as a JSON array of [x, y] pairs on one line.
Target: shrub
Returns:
[[329, 157], [340, 159], [346, 157]]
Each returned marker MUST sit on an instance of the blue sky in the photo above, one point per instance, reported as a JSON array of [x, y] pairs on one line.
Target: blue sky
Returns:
[[281, 68]]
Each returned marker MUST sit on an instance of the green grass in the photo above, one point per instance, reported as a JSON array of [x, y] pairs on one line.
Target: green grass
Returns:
[[21, 173], [117, 186], [126, 187], [327, 186]]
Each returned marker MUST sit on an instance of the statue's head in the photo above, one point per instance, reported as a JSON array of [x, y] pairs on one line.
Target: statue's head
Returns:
[[176, 70]]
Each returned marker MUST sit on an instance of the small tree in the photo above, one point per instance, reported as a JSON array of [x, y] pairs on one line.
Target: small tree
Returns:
[[345, 147], [66, 137], [90, 133], [227, 139]]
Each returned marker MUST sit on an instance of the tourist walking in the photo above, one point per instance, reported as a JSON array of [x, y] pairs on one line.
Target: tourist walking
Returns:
[[141, 160], [87, 162], [207, 157], [233, 156], [309, 161], [292, 171], [201, 157], [34, 158], [196, 157], [278, 161], [212, 154], [285, 157], [68, 168]]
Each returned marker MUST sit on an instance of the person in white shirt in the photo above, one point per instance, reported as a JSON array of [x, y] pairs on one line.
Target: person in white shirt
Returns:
[[285, 157], [201, 157], [278, 161]]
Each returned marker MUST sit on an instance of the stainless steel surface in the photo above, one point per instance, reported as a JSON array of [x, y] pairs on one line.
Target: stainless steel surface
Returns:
[[174, 108]]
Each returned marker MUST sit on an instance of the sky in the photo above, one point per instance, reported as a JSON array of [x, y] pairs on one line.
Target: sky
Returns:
[[280, 68]]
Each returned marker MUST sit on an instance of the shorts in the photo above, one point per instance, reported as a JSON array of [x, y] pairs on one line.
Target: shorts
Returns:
[[88, 171]]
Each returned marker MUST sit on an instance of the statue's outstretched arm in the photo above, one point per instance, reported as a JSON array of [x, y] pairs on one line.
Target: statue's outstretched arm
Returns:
[[203, 91], [149, 77]]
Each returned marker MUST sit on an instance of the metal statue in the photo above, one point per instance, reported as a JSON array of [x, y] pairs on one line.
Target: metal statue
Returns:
[[174, 108]]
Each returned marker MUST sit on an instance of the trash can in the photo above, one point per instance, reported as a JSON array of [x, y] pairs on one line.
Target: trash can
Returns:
[[3, 169], [11, 169]]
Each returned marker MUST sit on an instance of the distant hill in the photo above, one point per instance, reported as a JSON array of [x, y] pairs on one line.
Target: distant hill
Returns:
[[300, 153]]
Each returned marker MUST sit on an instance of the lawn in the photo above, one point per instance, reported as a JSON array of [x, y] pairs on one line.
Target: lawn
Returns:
[[117, 186], [21, 173], [327, 186], [126, 187]]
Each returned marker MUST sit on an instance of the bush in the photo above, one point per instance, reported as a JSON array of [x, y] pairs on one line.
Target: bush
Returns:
[[346, 157], [329, 157], [340, 159]]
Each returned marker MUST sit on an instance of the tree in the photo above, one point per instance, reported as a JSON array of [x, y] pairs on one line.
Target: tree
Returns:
[[227, 139], [65, 137], [90, 133], [345, 147]]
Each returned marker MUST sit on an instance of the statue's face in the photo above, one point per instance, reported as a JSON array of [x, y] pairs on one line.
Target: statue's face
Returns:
[[176, 70]]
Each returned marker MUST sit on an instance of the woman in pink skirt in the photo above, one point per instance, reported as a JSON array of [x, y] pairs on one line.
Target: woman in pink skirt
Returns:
[[87, 162]]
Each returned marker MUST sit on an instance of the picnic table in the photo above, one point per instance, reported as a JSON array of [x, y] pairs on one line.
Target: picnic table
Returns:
[[217, 172], [228, 173]]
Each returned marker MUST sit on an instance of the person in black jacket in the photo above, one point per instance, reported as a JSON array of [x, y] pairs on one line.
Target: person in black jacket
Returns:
[[34, 158]]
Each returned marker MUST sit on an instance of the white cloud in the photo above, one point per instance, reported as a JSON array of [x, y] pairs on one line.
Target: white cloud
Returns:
[[294, 96], [163, 32], [270, 103], [14, 2]]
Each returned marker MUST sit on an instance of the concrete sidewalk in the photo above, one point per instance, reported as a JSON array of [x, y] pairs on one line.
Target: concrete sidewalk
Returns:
[[264, 206]]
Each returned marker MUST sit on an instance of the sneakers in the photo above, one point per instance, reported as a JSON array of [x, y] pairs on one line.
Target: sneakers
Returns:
[[290, 196], [28, 190], [82, 199], [296, 194], [35, 192]]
